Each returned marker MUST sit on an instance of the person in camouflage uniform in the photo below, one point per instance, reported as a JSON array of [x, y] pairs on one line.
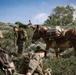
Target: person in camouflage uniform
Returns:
[[35, 63], [18, 41]]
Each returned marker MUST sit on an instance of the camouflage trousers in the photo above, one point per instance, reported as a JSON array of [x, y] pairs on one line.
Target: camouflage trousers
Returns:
[[20, 45]]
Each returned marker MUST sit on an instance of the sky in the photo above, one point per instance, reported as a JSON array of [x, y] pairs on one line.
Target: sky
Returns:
[[35, 10]]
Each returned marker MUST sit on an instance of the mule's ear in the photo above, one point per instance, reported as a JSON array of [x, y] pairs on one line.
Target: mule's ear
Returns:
[[37, 26]]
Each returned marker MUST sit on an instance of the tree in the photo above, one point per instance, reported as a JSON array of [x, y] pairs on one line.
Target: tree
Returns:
[[60, 16], [21, 25]]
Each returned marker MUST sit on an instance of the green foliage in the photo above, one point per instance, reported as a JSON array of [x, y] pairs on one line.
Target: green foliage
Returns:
[[7, 41], [60, 16], [61, 66], [30, 33], [1, 73]]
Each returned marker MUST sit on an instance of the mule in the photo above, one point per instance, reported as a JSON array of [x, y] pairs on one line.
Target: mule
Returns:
[[71, 36], [6, 64], [61, 43]]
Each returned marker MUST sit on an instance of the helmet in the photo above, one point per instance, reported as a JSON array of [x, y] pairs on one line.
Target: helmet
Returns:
[[39, 48]]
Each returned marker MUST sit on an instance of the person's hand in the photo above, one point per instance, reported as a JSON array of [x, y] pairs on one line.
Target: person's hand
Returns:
[[28, 73], [47, 71]]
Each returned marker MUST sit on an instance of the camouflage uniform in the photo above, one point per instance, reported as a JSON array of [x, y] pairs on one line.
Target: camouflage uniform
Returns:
[[34, 65], [19, 41]]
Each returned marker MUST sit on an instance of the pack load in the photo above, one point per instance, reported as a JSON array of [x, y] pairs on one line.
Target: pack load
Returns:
[[55, 32]]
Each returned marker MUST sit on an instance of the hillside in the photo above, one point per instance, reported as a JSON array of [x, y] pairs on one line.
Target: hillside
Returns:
[[6, 26], [65, 65]]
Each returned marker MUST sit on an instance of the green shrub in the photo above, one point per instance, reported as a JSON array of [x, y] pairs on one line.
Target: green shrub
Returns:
[[61, 66]]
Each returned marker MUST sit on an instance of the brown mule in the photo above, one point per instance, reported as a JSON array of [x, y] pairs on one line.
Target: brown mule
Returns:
[[61, 43]]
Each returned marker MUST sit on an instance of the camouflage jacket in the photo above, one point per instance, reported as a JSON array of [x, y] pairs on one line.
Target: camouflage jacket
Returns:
[[34, 65], [18, 36]]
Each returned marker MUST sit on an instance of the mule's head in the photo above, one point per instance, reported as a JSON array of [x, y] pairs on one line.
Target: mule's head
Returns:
[[36, 34]]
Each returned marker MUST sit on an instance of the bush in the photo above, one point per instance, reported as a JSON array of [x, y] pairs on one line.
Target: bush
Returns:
[[61, 66]]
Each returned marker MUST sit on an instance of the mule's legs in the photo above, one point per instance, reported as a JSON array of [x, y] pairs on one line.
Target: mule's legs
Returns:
[[47, 48], [45, 54], [56, 52], [75, 51], [74, 46]]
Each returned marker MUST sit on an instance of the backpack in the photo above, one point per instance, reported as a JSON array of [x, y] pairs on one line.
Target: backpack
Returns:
[[24, 66], [23, 34]]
